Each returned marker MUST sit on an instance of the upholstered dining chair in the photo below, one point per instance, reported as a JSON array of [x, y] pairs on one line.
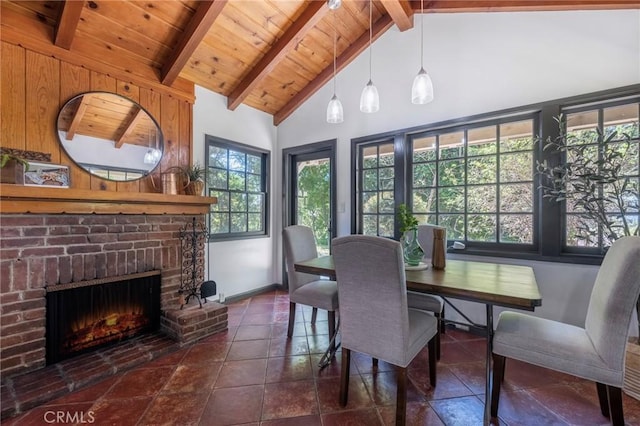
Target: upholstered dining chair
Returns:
[[306, 289], [374, 316], [595, 352], [428, 302]]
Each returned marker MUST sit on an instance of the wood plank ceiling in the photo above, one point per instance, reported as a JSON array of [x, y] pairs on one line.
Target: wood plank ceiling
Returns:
[[269, 54]]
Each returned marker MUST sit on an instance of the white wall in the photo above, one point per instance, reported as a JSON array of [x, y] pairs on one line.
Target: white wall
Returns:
[[479, 63], [242, 265]]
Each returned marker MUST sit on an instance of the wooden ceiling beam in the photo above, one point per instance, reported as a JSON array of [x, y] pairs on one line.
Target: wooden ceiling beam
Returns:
[[67, 23], [346, 57], [130, 128], [198, 27], [285, 44], [401, 13], [78, 116], [461, 6]]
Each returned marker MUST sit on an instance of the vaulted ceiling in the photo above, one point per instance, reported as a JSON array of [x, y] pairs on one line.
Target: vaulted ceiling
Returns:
[[268, 54]]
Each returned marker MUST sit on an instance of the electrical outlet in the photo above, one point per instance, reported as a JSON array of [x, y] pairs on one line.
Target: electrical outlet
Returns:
[[221, 297]]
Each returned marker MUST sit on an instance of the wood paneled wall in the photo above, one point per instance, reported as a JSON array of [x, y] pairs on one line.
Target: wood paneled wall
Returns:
[[34, 88]]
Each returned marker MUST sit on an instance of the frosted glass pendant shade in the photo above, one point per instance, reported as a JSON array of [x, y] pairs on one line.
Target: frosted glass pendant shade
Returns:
[[422, 89], [369, 100], [334, 111], [334, 4], [148, 157]]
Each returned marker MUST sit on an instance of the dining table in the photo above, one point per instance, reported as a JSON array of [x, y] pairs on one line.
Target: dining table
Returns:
[[488, 283]]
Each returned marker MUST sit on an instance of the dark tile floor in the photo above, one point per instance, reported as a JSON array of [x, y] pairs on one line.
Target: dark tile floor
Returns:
[[252, 374]]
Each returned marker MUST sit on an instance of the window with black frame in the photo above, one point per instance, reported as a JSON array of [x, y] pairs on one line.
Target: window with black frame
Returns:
[[481, 178], [237, 175]]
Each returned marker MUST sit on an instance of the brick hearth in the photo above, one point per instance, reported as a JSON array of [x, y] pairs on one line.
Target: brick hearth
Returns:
[[39, 250]]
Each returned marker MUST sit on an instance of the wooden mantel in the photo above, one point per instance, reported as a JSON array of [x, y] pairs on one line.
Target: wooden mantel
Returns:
[[29, 199]]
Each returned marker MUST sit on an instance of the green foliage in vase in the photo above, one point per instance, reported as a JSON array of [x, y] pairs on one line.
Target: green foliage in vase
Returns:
[[195, 172], [593, 178], [5, 158], [407, 220]]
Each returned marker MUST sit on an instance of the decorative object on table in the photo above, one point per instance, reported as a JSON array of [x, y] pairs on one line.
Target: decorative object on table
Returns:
[[193, 238], [12, 168], [438, 259], [41, 157], [411, 249], [173, 181], [195, 173], [46, 174]]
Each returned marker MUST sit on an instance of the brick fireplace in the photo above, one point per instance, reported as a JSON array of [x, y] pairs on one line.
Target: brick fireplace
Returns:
[[44, 250]]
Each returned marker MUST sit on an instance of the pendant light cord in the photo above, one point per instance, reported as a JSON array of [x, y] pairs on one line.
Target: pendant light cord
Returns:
[[335, 35], [370, 35], [421, 34]]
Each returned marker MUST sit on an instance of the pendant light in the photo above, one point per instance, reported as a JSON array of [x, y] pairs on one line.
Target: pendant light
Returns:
[[422, 89], [369, 100], [335, 113], [334, 4]]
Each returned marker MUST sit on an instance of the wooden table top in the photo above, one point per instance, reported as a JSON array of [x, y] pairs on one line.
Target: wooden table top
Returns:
[[490, 283]]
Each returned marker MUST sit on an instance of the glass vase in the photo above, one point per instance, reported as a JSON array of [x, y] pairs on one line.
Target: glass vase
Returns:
[[411, 249]]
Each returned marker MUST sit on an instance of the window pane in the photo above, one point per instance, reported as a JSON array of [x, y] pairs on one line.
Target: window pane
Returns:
[[255, 203], [223, 201], [217, 178], [582, 127], [253, 183], [454, 224], [369, 224], [516, 198], [578, 232], [386, 201], [386, 178], [238, 202], [254, 164], [386, 226], [370, 178], [370, 202], [238, 222], [516, 228], [219, 223], [451, 145], [423, 219], [628, 160], [370, 157], [516, 167], [424, 174], [386, 155], [217, 157], [424, 149], [424, 200], [236, 181], [237, 161], [516, 136], [621, 119], [481, 170], [255, 222], [451, 200], [482, 141], [482, 199], [451, 173], [482, 228]]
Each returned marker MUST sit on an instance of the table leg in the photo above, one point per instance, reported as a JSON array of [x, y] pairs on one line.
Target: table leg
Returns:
[[488, 384]]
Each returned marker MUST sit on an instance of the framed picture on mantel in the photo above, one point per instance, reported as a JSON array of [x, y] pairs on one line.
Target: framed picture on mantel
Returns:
[[47, 174]]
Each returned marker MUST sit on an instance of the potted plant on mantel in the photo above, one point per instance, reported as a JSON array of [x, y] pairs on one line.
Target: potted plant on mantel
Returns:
[[579, 180], [195, 172], [12, 168]]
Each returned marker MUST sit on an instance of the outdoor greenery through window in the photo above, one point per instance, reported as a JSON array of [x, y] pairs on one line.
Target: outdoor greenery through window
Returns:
[[480, 178], [237, 175]]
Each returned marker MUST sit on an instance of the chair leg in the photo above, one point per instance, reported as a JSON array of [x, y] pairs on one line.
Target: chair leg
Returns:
[[440, 327], [314, 314], [614, 395], [498, 375], [374, 363], [332, 328], [292, 318], [433, 344], [344, 376], [603, 399], [401, 400]]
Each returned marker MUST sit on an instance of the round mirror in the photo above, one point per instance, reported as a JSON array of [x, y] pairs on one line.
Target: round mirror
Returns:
[[110, 136]]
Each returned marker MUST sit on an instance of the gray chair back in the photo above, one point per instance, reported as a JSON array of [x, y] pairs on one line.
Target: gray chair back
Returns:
[[299, 244], [425, 238], [613, 300], [373, 297]]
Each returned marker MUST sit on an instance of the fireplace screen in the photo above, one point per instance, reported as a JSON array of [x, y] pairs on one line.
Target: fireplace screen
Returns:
[[85, 316]]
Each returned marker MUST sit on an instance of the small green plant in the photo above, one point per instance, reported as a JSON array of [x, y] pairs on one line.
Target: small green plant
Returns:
[[407, 221], [5, 158], [194, 171]]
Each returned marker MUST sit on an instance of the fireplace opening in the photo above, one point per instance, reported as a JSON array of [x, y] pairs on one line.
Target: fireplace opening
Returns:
[[88, 315]]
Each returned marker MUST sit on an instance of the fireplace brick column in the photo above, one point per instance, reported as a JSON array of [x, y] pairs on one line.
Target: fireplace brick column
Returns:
[[39, 250]]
